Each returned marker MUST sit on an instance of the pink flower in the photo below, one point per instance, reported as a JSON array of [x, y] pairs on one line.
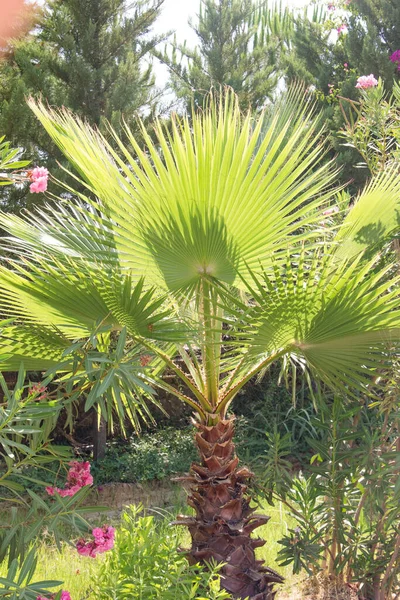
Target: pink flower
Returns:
[[366, 81], [64, 596], [78, 477], [345, 65], [395, 57], [103, 541], [79, 474], [342, 29], [86, 548], [39, 390], [39, 177], [39, 185], [331, 6], [38, 172]]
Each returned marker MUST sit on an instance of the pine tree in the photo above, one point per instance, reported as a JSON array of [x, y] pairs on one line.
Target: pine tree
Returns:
[[88, 55], [374, 34], [240, 43]]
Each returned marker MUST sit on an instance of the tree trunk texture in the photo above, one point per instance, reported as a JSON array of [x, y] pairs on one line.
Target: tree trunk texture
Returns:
[[224, 521]]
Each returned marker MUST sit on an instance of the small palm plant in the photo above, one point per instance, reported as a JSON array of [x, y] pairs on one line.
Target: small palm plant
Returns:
[[206, 253]]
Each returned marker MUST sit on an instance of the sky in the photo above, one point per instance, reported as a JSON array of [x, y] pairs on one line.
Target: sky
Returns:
[[174, 17]]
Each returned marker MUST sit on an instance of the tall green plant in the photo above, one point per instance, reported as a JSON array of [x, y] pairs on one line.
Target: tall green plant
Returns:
[[346, 507], [240, 43], [27, 417], [207, 249]]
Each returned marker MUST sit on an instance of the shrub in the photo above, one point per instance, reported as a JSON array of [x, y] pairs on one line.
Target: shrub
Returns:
[[153, 455], [27, 416], [346, 506], [146, 565]]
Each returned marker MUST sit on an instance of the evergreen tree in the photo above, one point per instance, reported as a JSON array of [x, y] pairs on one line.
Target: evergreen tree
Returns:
[[374, 35], [88, 55], [240, 44], [349, 40]]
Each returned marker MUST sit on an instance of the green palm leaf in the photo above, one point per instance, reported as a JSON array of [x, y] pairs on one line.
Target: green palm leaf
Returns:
[[218, 196], [342, 323], [221, 202], [374, 218]]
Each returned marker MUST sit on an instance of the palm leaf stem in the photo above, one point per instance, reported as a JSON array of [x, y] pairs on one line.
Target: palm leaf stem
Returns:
[[183, 397], [211, 347], [181, 374], [231, 393]]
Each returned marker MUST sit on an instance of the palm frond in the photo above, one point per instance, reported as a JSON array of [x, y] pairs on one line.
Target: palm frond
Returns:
[[342, 324], [373, 220], [206, 198]]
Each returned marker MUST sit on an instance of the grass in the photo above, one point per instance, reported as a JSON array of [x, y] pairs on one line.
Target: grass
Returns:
[[76, 571]]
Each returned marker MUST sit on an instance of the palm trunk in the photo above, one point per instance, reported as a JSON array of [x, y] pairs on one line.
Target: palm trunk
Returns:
[[224, 521]]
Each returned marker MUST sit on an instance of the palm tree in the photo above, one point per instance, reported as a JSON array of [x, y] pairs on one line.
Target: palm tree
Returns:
[[206, 252]]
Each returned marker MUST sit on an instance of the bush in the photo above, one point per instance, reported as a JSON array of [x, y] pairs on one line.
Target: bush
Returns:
[[151, 456], [146, 565], [27, 416], [265, 408], [346, 505]]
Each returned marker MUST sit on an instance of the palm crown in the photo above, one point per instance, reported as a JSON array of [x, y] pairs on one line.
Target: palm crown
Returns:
[[207, 246], [179, 237]]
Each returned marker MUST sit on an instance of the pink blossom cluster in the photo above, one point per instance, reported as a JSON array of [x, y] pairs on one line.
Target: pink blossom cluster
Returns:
[[342, 28], [78, 476], [103, 541], [39, 177], [395, 58], [39, 390], [366, 81], [64, 596]]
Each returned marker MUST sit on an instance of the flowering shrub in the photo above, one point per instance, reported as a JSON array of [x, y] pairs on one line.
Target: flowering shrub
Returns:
[[103, 540], [366, 81], [64, 596], [373, 128], [27, 415], [78, 477], [39, 177], [395, 58], [38, 391], [146, 565]]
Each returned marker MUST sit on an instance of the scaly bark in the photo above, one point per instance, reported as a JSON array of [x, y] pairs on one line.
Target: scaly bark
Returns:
[[222, 526]]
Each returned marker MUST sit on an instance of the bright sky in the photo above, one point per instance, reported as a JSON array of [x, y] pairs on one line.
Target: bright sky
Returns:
[[174, 17]]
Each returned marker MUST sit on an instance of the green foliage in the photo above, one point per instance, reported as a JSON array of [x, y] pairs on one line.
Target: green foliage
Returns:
[[9, 161], [373, 128], [18, 583], [146, 565], [239, 45], [91, 56], [332, 63], [373, 36], [327, 312], [346, 506], [154, 455], [26, 419], [268, 406]]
